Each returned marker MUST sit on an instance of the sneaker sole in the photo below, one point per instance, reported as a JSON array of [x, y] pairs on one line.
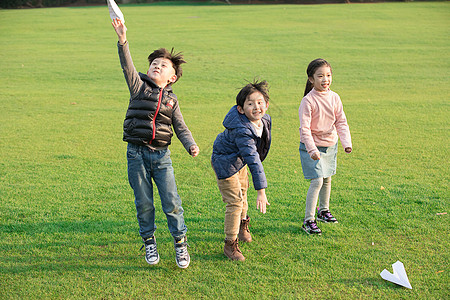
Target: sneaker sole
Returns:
[[309, 233], [325, 221], [183, 267], [152, 263]]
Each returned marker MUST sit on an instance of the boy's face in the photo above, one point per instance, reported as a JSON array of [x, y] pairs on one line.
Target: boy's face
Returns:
[[161, 71], [254, 107]]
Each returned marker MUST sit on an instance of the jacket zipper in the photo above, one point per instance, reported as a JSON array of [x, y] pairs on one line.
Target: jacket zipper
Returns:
[[156, 114]]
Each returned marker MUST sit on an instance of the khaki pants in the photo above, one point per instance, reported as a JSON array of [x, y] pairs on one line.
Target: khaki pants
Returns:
[[234, 194]]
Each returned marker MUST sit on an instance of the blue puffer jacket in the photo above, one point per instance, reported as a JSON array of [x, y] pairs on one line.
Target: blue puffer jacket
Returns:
[[238, 146]]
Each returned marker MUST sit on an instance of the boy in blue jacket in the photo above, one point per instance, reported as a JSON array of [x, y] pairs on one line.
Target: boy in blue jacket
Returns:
[[245, 141]]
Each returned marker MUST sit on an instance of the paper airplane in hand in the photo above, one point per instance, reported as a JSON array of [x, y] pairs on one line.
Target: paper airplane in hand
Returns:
[[114, 11], [399, 277]]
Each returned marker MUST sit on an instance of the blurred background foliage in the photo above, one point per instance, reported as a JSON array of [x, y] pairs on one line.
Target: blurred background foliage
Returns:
[[56, 3]]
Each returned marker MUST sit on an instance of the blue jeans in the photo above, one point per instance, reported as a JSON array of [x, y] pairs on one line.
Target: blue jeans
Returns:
[[143, 165]]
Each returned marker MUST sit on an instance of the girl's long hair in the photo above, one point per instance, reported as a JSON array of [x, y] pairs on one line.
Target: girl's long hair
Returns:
[[312, 67]]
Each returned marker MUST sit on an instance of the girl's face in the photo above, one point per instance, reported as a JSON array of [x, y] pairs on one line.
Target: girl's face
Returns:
[[322, 79]]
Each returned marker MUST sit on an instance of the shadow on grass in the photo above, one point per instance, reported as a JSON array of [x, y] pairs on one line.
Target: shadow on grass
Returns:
[[88, 226], [114, 245], [67, 246]]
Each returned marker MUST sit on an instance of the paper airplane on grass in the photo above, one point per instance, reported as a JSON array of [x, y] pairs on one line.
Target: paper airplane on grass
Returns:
[[114, 11], [398, 277]]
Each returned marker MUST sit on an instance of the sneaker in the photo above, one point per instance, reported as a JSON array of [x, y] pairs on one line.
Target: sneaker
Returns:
[[244, 233], [310, 227], [181, 253], [151, 254], [326, 216]]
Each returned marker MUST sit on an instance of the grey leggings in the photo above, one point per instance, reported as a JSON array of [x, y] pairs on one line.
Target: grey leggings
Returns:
[[319, 188]]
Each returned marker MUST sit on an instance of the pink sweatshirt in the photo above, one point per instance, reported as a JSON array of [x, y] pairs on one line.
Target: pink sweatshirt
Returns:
[[322, 119]]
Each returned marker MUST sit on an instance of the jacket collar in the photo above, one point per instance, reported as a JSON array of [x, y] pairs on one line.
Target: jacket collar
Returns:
[[151, 83], [234, 120]]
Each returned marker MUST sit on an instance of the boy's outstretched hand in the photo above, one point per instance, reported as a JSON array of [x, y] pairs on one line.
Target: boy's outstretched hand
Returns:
[[121, 30], [194, 150], [261, 201]]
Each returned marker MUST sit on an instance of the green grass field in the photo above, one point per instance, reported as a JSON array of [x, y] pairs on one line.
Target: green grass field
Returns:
[[67, 218]]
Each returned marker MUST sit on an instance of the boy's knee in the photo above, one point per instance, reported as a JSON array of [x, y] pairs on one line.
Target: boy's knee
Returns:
[[233, 201]]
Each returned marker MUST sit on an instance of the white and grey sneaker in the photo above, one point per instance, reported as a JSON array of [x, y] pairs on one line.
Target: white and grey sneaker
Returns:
[[151, 253], [181, 253]]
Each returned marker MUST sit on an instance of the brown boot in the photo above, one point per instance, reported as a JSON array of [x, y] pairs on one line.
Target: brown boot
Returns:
[[244, 233], [232, 251]]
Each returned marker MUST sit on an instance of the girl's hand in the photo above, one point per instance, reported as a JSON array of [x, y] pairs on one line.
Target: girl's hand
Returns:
[[194, 150], [121, 30], [315, 156], [261, 201], [348, 150]]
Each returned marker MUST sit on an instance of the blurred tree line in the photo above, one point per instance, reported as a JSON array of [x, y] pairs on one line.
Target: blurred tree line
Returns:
[[55, 3]]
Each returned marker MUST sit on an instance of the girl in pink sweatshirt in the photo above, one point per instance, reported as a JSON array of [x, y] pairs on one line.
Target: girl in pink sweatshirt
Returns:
[[322, 120]]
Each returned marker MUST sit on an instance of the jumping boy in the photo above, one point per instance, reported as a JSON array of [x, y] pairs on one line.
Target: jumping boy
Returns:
[[245, 141], [153, 110]]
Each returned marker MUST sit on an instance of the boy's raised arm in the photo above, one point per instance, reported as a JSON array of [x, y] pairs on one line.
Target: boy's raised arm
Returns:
[[121, 30], [132, 77]]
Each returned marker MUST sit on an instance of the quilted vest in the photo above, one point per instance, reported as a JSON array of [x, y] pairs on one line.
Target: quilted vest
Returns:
[[148, 120]]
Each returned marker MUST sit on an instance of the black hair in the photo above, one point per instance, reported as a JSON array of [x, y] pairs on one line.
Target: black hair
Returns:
[[312, 67], [176, 58], [250, 88]]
